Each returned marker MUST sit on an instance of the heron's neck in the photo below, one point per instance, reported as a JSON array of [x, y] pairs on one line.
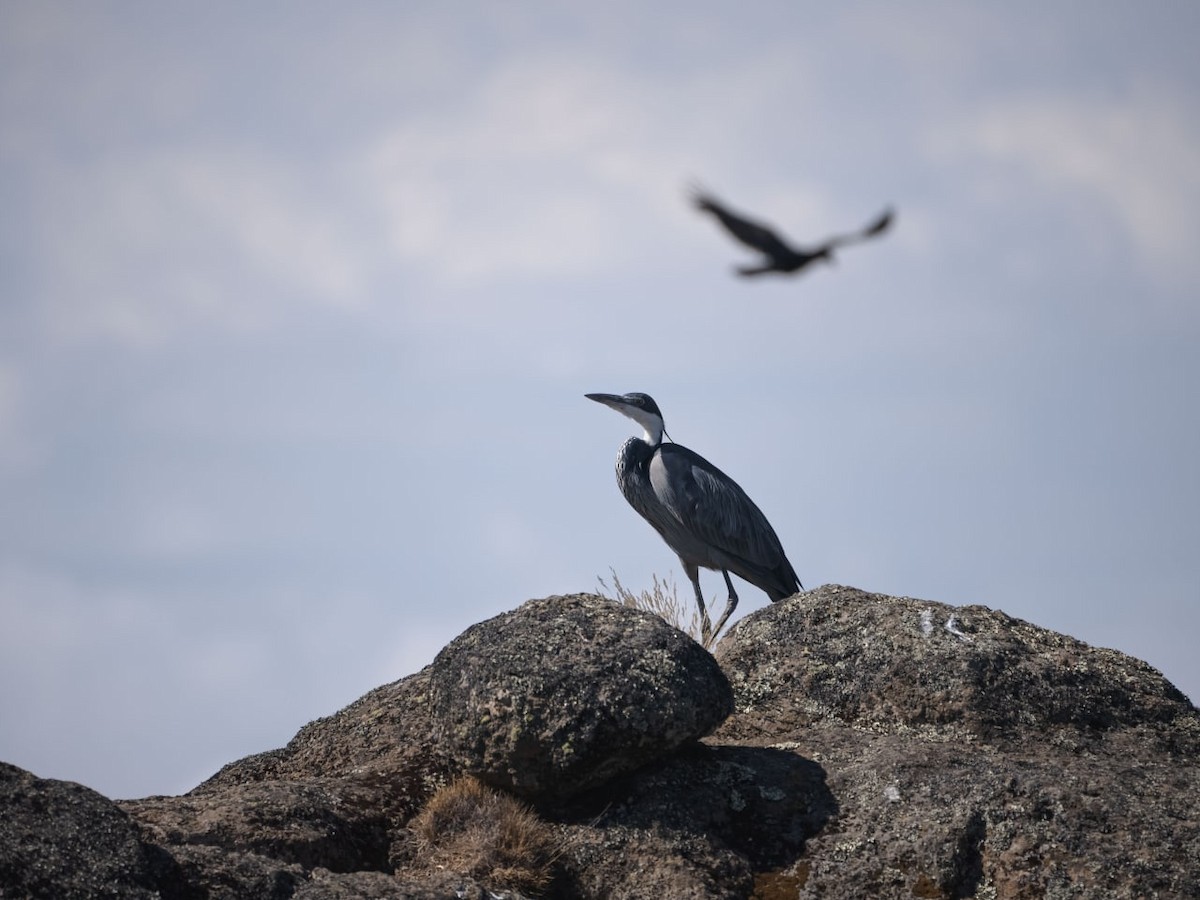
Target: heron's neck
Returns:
[[652, 426], [652, 436]]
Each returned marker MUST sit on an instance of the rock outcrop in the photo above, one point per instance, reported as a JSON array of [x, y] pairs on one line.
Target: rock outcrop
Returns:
[[564, 694], [877, 747], [60, 839], [970, 754], [941, 672]]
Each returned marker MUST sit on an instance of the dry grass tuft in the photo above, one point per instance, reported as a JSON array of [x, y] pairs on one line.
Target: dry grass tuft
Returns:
[[663, 601], [472, 829]]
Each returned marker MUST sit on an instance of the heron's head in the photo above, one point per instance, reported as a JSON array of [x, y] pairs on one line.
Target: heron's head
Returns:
[[639, 407]]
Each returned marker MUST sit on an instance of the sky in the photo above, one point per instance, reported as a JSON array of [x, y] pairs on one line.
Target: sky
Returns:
[[299, 302]]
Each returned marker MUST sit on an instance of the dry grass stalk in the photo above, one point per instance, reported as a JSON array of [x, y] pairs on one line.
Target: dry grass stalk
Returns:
[[663, 601]]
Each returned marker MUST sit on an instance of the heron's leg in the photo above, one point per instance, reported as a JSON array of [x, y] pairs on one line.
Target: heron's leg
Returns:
[[693, 574], [730, 606]]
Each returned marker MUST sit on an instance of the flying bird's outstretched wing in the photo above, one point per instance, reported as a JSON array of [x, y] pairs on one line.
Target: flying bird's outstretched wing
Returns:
[[752, 234], [876, 228]]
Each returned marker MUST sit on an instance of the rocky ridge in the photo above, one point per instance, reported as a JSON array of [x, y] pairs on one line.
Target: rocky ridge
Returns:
[[841, 744]]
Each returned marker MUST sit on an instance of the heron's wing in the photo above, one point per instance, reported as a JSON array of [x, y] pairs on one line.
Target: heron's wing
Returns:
[[752, 234], [874, 229], [710, 508]]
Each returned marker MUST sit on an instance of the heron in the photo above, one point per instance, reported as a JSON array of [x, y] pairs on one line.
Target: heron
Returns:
[[780, 256], [702, 513]]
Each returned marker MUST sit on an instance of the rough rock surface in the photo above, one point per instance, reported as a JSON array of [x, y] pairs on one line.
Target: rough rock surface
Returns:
[[325, 885], [63, 840], [938, 671], [879, 748], [565, 693], [970, 754], [701, 824]]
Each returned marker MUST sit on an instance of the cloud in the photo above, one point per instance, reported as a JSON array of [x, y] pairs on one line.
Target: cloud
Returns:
[[556, 166], [1137, 156], [506, 182], [139, 247], [8, 397], [18, 448]]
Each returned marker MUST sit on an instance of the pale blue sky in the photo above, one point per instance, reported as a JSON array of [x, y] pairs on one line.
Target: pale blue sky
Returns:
[[300, 300]]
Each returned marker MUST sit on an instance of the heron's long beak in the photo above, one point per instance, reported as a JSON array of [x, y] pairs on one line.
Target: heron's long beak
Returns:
[[613, 401], [651, 423]]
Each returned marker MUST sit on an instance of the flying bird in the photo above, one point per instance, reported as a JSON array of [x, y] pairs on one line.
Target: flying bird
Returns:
[[780, 256], [702, 514]]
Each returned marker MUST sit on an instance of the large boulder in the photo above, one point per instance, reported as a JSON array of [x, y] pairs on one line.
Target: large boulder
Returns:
[[878, 662], [62, 840], [968, 753], [565, 693]]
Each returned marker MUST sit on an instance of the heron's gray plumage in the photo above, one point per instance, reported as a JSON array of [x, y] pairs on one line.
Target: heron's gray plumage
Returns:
[[702, 513]]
